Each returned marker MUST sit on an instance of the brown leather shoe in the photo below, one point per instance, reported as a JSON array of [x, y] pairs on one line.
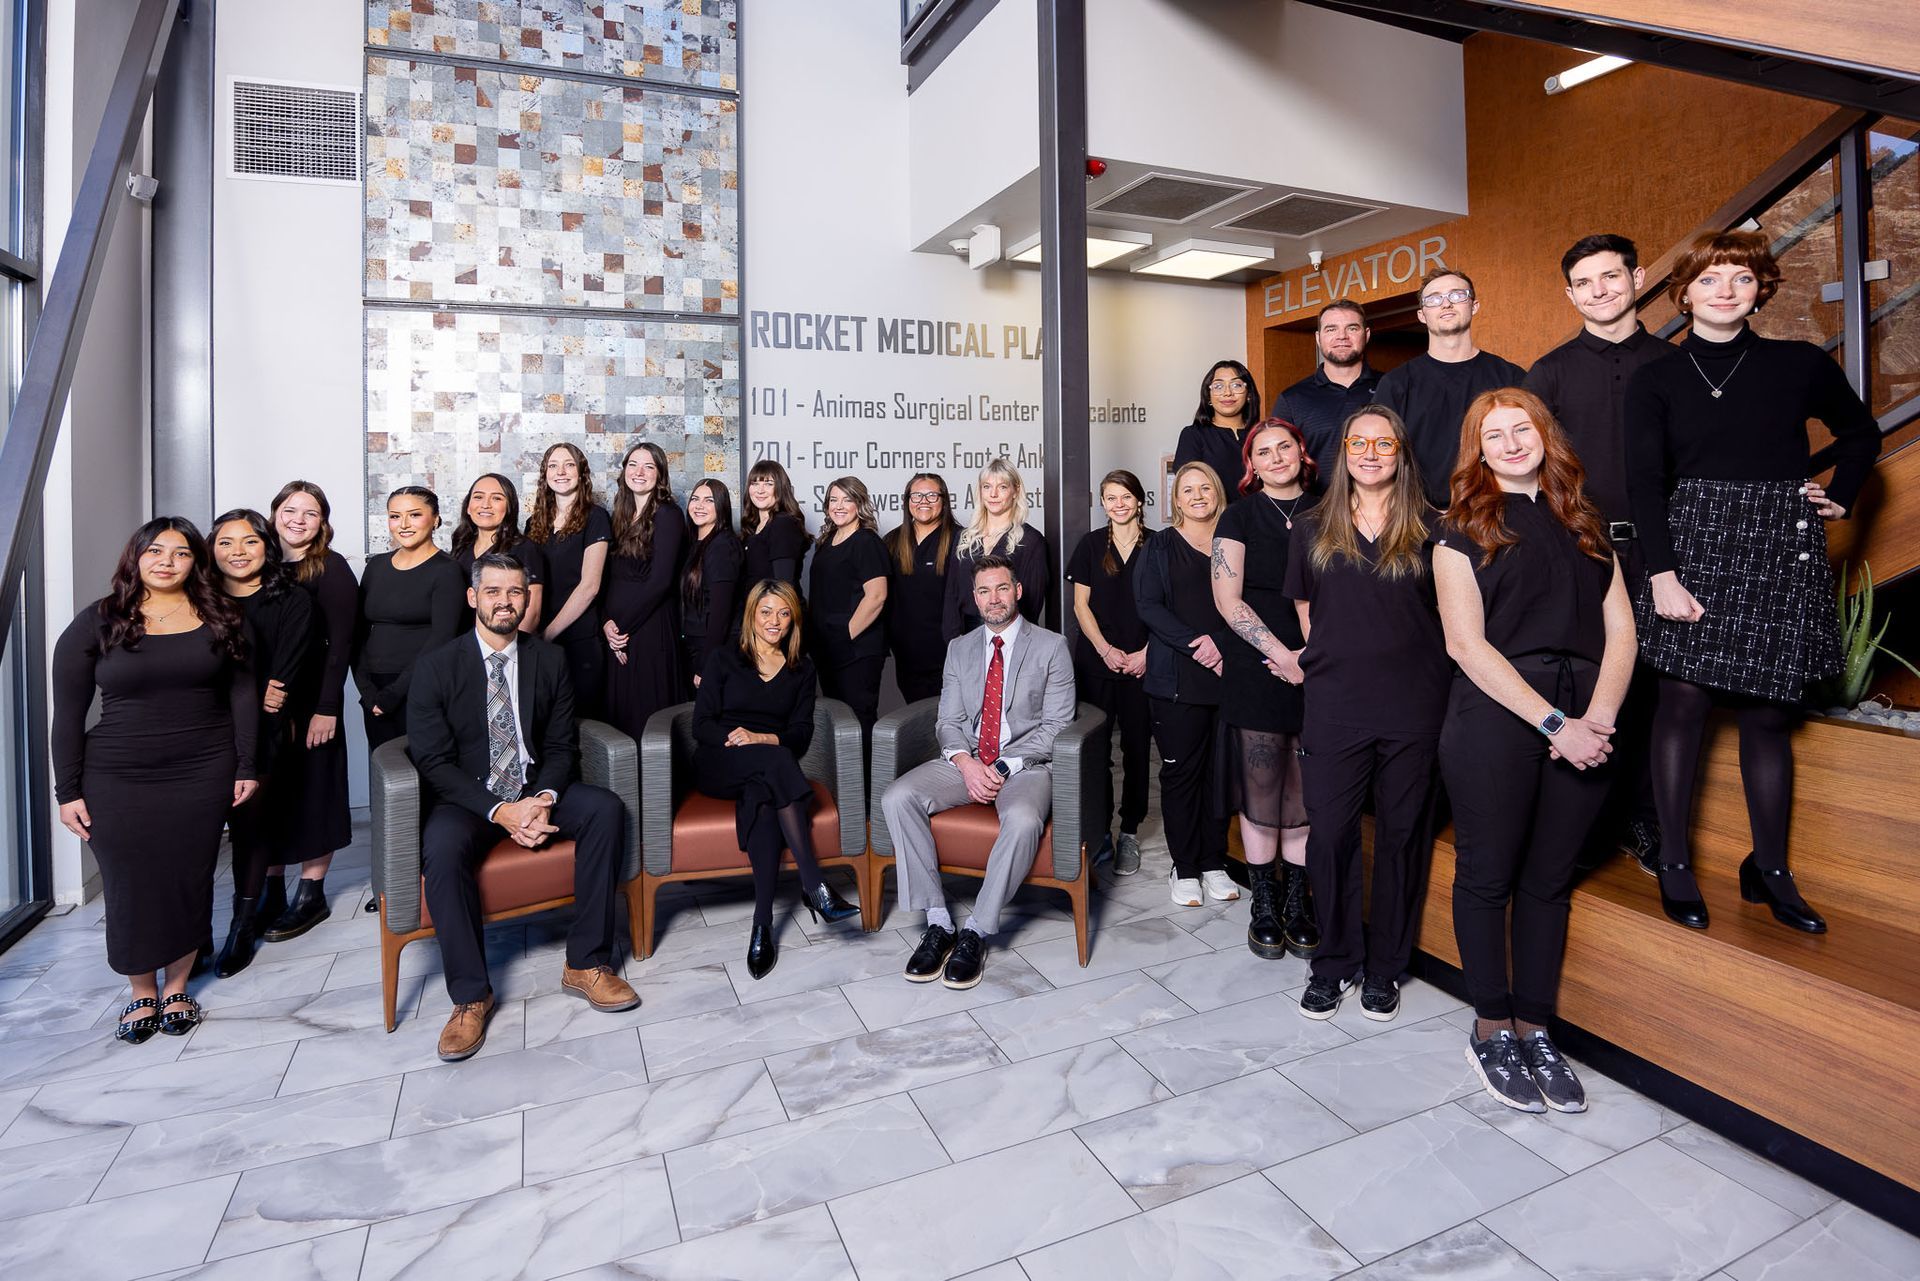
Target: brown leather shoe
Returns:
[[466, 1030], [600, 987]]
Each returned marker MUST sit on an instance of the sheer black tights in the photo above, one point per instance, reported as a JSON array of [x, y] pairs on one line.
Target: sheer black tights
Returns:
[[789, 828], [1766, 774]]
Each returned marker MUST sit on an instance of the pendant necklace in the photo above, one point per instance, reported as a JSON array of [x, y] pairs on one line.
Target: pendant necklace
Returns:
[[1724, 381], [1286, 513], [152, 623]]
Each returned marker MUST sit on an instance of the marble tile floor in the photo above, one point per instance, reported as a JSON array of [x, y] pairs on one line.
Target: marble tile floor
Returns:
[[1164, 1113]]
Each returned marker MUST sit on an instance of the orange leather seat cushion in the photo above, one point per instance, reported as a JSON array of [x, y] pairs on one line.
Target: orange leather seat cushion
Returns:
[[704, 839], [964, 836], [512, 876]]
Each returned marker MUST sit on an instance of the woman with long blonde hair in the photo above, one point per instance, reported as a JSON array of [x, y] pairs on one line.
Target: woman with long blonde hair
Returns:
[[999, 528]]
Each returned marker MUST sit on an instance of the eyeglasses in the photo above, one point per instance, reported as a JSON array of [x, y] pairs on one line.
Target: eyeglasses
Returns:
[[1237, 384], [1452, 295], [923, 498], [1384, 446]]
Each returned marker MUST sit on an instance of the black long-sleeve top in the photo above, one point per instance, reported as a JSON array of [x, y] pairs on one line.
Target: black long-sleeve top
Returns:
[[1584, 383], [636, 589], [1217, 447], [710, 614], [1173, 589], [775, 550], [1029, 570], [335, 594], [281, 636], [1755, 430], [403, 614], [732, 695]]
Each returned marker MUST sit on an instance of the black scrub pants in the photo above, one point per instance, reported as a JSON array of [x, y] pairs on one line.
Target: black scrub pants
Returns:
[[856, 682], [1339, 768], [1520, 819], [1125, 703], [1196, 830], [1630, 768]]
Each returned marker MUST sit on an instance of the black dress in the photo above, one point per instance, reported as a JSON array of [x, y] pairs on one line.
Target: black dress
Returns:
[[1218, 448], [642, 600], [403, 614], [775, 551], [532, 558], [1123, 698], [916, 599], [586, 648], [710, 614], [849, 666], [760, 776], [313, 781], [176, 730], [1029, 570], [281, 637]]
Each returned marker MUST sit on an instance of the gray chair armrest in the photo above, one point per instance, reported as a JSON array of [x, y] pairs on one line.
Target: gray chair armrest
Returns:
[[394, 801], [660, 743], [611, 760], [1082, 787], [836, 759], [901, 740]]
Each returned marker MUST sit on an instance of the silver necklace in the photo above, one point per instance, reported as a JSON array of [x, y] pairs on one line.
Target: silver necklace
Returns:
[[1286, 513], [1717, 390], [152, 623]]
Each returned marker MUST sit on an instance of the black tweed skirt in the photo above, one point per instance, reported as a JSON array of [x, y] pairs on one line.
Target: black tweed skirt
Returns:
[[1754, 554]]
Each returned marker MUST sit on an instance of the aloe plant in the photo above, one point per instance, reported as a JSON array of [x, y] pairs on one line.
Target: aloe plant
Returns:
[[1860, 640]]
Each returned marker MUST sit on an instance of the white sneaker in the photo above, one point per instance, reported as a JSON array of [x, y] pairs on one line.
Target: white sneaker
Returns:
[[1186, 889], [1220, 886]]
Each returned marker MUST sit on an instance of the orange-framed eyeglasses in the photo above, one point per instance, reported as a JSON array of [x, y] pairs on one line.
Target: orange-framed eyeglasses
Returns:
[[1384, 446]]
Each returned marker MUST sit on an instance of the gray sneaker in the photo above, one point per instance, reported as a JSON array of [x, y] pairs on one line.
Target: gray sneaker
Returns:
[[1503, 1070], [1126, 855], [1553, 1074]]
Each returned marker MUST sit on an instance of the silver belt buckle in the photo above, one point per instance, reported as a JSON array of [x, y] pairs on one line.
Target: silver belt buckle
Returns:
[[1620, 530]]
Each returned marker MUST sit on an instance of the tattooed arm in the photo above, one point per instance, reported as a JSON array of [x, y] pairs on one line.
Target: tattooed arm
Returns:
[[1229, 565]]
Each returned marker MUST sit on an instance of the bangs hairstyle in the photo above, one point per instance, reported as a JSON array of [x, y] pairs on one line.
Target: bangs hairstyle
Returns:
[[973, 539], [275, 575], [1110, 562], [784, 503], [1750, 250], [1479, 504], [696, 570], [540, 521], [632, 526], [863, 515], [122, 626], [1176, 518], [466, 533], [788, 596], [1249, 412], [900, 541], [1250, 480], [1337, 538], [313, 557]]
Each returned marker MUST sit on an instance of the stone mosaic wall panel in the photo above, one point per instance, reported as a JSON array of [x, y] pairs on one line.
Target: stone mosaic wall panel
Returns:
[[689, 42], [483, 187], [453, 394]]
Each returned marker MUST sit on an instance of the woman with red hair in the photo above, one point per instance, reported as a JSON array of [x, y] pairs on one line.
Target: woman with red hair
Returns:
[[1537, 618]]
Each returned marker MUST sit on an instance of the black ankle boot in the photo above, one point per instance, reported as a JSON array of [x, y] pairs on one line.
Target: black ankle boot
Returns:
[[1303, 935], [1690, 912], [1775, 888], [308, 909], [763, 951], [272, 903], [237, 955], [1264, 935], [825, 901]]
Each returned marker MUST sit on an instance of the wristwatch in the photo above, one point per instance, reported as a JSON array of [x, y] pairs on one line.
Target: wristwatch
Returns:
[[1000, 768], [1552, 722]]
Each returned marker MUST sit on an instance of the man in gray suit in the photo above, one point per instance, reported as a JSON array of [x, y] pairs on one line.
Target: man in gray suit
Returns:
[[1005, 694]]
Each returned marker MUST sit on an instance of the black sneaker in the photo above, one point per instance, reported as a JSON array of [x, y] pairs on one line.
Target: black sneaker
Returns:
[[930, 957], [964, 966], [1643, 843], [1503, 1070], [1553, 1074], [1322, 998], [1379, 998]]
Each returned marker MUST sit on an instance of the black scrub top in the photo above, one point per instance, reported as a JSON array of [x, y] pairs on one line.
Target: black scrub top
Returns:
[[781, 541], [1542, 594], [1376, 657], [960, 615], [1256, 698], [564, 557], [915, 600], [1218, 448], [836, 583], [1110, 597]]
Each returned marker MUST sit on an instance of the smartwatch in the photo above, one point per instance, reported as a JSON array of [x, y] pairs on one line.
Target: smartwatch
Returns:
[[1000, 768], [1552, 722]]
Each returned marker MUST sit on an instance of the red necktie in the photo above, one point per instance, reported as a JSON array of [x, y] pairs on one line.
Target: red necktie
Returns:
[[990, 707]]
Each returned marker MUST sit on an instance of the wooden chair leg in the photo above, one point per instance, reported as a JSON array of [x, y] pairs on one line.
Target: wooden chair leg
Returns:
[[1078, 893], [635, 917], [391, 945], [643, 940], [869, 894]]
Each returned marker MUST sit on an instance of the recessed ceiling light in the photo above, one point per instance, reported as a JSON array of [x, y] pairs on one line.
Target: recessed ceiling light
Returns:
[[1104, 245], [1203, 259]]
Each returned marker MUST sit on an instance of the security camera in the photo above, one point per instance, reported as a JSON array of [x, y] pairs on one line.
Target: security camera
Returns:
[[1315, 257], [959, 245]]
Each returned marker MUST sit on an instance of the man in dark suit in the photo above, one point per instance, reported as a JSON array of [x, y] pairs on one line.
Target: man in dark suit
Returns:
[[490, 727]]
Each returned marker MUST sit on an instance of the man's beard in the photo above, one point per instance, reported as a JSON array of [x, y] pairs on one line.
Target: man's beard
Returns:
[[491, 623], [1352, 356]]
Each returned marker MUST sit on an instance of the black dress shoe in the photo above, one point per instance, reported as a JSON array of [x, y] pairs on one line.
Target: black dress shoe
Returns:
[[238, 953], [308, 909], [1690, 912], [1643, 843], [763, 951], [1296, 917], [1776, 889], [925, 964], [965, 965], [825, 901], [1265, 938]]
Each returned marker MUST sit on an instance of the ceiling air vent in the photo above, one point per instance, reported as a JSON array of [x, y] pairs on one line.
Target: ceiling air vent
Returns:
[[295, 132], [1171, 198], [1300, 216]]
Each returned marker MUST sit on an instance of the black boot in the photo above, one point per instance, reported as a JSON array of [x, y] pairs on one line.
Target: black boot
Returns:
[[763, 951], [1264, 935], [308, 909], [1303, 935], [272, 903], [237, 955]]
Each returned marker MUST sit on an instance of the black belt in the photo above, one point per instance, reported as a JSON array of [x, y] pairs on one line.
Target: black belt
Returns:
[[1620, 531]]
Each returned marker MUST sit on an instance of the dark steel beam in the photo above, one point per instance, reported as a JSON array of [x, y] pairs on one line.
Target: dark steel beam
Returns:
[[1856, 200], [1064, 394], [182, 248]]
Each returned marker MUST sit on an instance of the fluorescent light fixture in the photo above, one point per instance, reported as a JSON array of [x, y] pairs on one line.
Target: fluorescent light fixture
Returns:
[[1591, 70], [1203, 259], [1104, 245]]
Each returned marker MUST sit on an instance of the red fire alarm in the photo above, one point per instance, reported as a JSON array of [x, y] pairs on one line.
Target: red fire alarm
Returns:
[[1095, 166]]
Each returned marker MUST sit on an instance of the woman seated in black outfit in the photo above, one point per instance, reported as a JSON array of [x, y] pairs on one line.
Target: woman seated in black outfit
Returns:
[[642, 626], [1229, 404], [412, 599], [573, 530], [773, 531], [1184, 635], [847, 586], [710, 588], [1537, 617], [917, 556], [1262, 706], [490, 522], [286, 662], [999, 528], [1738, 606], [752, 722], [151, 784], [1110, 657]]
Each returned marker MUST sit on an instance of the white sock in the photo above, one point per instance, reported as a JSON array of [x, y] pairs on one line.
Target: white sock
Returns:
[[938, 916], [975, 928]]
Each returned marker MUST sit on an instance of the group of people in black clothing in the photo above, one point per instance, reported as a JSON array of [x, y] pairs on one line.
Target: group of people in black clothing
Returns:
[[1529, 586]]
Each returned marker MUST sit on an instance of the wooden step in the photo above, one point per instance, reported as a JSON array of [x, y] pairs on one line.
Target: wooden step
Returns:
[[1884, 530]]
